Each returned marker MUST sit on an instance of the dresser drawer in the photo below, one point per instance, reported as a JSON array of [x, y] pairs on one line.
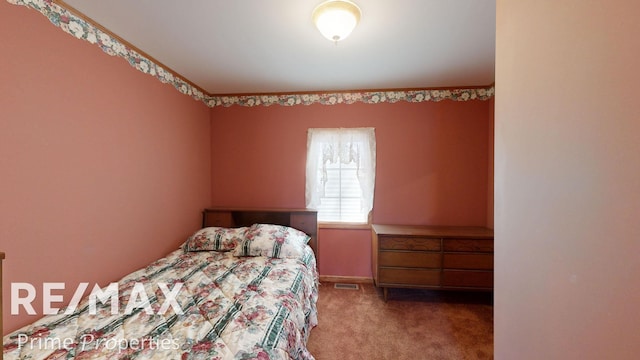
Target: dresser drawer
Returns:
[[409, 243], [467, 278], [416, 259], [470, 245], [468, 261], [409, 276]]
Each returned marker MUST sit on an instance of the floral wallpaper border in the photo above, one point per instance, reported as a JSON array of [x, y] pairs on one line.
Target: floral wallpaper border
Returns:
[[368, 97], [81, 29]]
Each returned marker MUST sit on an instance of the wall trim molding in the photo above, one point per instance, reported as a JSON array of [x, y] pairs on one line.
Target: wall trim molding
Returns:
[[346, 279], [84, 28]]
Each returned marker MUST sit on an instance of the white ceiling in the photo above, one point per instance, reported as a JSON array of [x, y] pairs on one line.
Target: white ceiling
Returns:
[[262, 46]]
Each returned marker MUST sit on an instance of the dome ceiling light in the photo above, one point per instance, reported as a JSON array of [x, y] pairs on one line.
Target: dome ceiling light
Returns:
[[336, 19]]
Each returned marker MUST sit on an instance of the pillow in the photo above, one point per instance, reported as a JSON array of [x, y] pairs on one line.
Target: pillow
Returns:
[[215, 239], [275, 241]]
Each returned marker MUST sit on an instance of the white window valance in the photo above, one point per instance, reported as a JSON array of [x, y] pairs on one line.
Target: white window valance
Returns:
[[353, 146]]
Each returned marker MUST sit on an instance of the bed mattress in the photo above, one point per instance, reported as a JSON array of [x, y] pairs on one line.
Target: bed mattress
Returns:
[[214, 305]]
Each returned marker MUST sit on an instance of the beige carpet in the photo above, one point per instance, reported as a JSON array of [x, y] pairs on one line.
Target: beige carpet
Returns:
[[413, 324]]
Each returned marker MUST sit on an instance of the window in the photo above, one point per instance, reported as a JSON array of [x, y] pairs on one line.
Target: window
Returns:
[[341, 166]]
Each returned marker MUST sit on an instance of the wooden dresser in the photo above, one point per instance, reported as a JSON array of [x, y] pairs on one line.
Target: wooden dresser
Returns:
[[432, 257]]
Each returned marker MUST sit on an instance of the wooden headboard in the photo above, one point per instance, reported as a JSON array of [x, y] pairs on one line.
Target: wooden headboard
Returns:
[[301, 219]]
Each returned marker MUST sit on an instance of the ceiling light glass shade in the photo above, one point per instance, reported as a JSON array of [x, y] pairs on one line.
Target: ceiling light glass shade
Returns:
[[336, 19]]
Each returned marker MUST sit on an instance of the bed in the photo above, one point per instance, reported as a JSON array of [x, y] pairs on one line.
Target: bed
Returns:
[[244, 286]]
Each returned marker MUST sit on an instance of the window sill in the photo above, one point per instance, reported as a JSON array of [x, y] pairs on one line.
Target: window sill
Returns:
[[345, 226]]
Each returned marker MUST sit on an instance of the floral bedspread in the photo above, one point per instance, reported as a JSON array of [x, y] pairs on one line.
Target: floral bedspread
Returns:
[[226, 308]]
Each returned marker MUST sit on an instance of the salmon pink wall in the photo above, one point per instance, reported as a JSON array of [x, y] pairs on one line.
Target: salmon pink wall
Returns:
[[432, 165], [102, 168], [567, 180]]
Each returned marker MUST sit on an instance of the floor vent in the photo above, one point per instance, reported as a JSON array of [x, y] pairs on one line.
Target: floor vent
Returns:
[[343, 286]]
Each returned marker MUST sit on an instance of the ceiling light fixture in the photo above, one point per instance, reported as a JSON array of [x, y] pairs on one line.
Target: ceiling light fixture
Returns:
[[336, 19]]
